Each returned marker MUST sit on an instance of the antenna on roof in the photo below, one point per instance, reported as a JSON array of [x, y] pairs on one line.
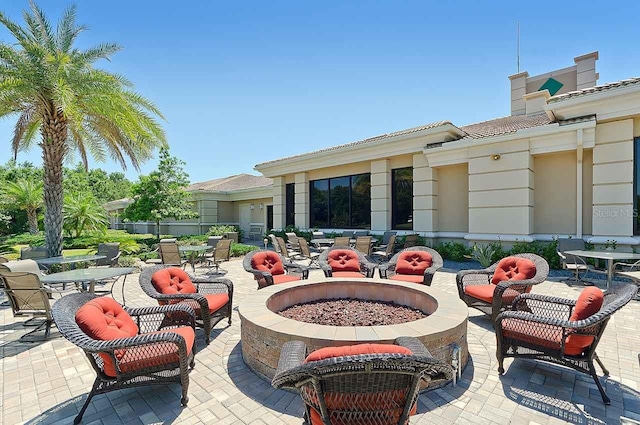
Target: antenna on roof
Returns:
[[518, 47]]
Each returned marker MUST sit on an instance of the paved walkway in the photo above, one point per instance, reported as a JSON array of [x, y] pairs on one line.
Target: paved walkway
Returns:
[[47, 382]]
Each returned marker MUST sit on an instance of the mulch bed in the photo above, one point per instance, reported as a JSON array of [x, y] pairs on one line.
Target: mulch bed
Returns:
[[352, 312]]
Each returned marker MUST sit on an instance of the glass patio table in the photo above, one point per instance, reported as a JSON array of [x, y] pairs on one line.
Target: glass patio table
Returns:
[[88, 276], [191, 252], [71, 259], [609, 257]]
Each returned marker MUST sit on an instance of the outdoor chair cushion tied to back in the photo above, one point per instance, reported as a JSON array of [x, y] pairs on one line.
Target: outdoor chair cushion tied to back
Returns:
[[174, 280], [104, 319], [414, 262], [269, 262], [344, 263], [513, 268], [589, 303], [345, 401]]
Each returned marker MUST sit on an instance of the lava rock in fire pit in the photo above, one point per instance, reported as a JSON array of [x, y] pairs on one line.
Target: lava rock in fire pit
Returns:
[[352, 312]]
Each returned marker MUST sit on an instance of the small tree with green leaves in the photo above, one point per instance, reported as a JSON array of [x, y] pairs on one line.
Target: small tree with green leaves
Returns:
[[83, 213], [161, 194], [25, 195]]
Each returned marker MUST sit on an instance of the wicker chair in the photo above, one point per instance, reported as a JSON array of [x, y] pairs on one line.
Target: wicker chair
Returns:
[[268, 268], [496, 297], [343, 261], [147, 358], [417, 264], [360, 388], [212, 299], [541, 327]]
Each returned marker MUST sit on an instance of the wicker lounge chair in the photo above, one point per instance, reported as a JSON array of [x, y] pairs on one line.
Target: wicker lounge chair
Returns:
[[146, 346], [361, 384], [342, 261], [559, 330], [417, 264], [269, 268], [490, 292], [211, 299]]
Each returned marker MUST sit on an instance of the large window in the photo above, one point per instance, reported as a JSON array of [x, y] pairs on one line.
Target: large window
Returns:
[[290, 204], [342, 202], [636, 186], [402, 198]]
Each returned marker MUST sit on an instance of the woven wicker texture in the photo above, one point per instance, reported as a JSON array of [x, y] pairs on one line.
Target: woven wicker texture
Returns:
[[366, 267], [388, 270], [265, 278]]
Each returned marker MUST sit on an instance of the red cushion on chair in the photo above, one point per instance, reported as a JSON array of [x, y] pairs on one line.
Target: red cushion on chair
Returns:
[[413, 262], [408, 278], [514, 268], [588, 303], [544, 335], [172, 280], [481, 292], [267, 261], [215, 302], [347, 274], [343, 260], [354, 350], [144, 356], [283, 278]]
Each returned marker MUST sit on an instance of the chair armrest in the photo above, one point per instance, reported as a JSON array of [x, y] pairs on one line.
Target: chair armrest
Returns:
[[429, 273], [544, 305], [369, 267], [383, 269], [302, 269], [552, 321], [413, 344], [213, 286], [159, 317], [136, 341], [292, 356], [628, 267], [326, 268]]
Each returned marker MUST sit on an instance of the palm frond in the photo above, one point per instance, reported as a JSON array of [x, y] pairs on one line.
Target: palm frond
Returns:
[[102, 51], [22, 125], [68, 31], [46, 35]]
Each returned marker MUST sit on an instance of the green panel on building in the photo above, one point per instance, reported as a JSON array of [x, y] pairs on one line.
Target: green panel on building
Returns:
[[552, 85]]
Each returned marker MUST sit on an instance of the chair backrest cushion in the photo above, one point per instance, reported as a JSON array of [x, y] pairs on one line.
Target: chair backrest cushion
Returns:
[[343, 260], [23, 266], [104, 319], [514, 268], [172, 280], [413, 262], [354, 350], [589, 303], [267, 261]]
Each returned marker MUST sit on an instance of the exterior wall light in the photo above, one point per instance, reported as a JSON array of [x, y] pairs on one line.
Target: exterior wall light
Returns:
[[253, 207], [261, 206], [496, 156]]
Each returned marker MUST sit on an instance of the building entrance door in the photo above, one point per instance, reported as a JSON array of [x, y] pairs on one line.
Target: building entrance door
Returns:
[[245, 219]]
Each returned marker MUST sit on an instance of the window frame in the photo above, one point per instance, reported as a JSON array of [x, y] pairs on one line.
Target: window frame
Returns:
[[329, 223]]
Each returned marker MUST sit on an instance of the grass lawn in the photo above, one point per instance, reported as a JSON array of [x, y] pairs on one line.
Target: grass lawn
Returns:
[[66, 252]]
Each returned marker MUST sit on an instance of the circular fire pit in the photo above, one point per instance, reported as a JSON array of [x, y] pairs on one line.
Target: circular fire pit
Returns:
[[263, 331]]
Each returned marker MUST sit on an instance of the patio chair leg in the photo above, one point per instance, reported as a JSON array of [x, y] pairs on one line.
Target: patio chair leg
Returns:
[[185, 387], [594, 375], [604, 369], [78, 418]]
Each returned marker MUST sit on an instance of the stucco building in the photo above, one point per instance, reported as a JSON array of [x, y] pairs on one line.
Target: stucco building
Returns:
[[563, 163]]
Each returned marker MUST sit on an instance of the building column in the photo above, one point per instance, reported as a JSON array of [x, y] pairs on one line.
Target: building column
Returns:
[[302, 200], [613, 179], [425, 195], [380, 196], [279, 199], [501, 182]]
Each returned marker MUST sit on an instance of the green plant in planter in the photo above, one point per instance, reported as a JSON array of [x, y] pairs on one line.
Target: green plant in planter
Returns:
[[221, 229], [483, 253]]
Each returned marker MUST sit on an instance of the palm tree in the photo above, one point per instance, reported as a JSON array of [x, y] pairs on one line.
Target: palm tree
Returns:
[[83, 212], [25, 195], [55, 92]]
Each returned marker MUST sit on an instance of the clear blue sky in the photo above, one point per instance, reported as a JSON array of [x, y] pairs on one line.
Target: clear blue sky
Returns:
[[246, 82]]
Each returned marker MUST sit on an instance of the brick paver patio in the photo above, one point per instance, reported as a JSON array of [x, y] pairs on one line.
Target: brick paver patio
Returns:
[[47, 382]]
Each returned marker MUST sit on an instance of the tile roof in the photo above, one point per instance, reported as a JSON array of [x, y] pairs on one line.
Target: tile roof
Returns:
[[363, 141], [232, 183], [505, 125], [595, 89]]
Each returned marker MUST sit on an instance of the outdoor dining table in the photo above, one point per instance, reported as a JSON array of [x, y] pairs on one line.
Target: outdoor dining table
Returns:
[[191, 253], [609, 256], [88, 276], [70, 259]]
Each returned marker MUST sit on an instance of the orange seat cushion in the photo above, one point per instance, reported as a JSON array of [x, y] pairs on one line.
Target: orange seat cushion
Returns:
[[343, 260], [215, 302], [354, 350], [267, 261], [481, 292], [283, 278], [413, 262], [544, 335], [172, 280], [514, 268], [390, 403], [408, 278], [156, 355], [347, 274]]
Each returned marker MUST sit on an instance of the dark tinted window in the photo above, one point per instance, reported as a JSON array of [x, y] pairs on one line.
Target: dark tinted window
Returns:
[[402, 198], [341, 202], [290, 213]]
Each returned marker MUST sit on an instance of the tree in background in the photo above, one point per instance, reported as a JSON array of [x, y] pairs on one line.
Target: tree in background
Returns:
[[26, 195], [161, 194], [56, 92], [104, 186], [83, 213]]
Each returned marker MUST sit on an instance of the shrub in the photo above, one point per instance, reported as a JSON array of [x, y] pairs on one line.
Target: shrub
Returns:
[[239, 249], [547, 250], [221, 229], [483, 253], [454, 251]]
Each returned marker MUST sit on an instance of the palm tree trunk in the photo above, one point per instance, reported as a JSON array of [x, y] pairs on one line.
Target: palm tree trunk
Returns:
[[32, 219], [54, 149]]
